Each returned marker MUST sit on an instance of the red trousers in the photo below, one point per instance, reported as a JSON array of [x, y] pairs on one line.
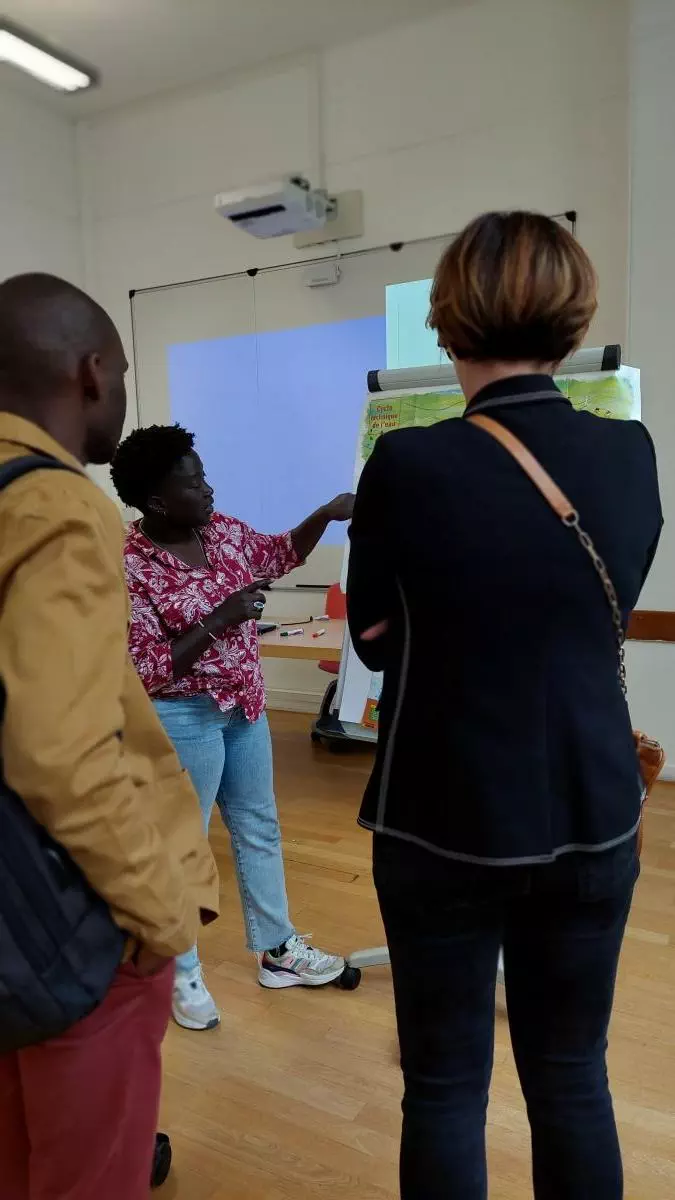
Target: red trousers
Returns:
[[78, 1114]]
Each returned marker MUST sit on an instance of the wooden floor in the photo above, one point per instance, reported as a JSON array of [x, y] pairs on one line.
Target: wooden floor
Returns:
[[297, 1094]]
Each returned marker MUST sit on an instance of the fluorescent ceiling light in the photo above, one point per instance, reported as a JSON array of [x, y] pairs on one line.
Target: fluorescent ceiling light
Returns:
[[23, 50]]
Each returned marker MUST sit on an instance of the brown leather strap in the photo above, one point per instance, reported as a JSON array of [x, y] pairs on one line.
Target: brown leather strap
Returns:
[[528, 463], [569, 516]]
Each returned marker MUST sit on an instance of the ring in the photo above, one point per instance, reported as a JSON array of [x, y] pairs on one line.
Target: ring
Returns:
[[259, 605]]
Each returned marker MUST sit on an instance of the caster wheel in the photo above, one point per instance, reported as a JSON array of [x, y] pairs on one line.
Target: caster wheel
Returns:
[[161, 1164], [349, 979], [316, 738]]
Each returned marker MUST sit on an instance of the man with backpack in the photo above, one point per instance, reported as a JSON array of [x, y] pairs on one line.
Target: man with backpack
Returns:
[[105, 874]]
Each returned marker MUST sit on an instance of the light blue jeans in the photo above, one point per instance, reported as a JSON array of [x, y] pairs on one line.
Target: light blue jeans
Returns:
[[230, 763]]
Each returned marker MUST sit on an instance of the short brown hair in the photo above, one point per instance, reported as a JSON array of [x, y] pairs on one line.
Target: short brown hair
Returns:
[[513, 287]]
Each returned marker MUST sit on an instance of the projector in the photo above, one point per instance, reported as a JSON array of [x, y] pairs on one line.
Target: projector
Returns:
[[288, 205]]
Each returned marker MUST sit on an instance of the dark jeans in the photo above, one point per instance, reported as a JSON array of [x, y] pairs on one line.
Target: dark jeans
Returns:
[[561, 926]]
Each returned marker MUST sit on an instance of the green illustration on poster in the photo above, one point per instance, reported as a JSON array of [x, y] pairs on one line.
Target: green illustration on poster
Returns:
[[614, 395]]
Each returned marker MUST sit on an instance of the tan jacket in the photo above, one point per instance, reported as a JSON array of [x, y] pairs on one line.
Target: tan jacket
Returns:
[[81, 743]]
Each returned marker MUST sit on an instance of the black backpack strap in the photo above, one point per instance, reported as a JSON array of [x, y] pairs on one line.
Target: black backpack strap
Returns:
[[17, 467]]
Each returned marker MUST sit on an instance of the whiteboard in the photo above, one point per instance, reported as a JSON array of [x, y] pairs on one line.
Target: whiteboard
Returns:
[[276, 430]]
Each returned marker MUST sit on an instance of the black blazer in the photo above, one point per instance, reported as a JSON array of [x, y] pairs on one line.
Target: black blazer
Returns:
[[504, 735]]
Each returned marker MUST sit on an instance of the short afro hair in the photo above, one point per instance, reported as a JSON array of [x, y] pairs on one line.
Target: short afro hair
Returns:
[[145, 458]]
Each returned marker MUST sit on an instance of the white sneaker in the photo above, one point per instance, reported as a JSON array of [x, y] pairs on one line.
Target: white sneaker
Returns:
[[193, 1004], [299, 965]]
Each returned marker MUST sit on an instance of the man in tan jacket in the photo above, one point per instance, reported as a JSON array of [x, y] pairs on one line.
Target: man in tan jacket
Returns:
[[82, 747]]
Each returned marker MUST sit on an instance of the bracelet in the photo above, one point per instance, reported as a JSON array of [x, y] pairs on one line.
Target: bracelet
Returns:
[[211, 635]]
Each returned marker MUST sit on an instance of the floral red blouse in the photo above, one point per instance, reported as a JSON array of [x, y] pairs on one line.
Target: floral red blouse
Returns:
[[168, 597]]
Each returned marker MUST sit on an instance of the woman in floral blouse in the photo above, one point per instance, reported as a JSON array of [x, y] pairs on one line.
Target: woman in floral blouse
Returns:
[[194, 578]]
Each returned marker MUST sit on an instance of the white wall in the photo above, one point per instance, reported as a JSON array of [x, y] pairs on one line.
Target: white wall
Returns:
[[39, 202], [494, 103], [652, 326], [490, 104]]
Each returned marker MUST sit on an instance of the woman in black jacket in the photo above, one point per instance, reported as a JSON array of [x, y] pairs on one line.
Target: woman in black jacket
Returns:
[[505, 798]]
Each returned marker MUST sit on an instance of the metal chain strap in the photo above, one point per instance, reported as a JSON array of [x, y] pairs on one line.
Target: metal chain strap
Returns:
[[585, 540]]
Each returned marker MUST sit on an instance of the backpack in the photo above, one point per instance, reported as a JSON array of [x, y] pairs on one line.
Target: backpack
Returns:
[[59, 946]]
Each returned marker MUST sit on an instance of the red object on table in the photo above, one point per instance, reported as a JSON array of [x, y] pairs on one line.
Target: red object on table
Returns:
[[336, 609]]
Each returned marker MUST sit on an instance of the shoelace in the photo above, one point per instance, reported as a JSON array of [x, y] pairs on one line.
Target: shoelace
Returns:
[[299, 945]]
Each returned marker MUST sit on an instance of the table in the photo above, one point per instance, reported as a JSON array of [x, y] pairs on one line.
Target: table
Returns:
[[323, 649], [329, 647]]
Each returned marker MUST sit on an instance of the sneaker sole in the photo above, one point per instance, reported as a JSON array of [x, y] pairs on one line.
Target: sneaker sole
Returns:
[[195, 1026], [276, 980]]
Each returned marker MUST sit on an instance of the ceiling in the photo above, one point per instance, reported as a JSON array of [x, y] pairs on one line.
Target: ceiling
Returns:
[[142, 47]]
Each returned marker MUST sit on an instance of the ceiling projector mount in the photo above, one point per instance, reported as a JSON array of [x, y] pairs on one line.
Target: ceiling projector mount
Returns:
[[292, 206]]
